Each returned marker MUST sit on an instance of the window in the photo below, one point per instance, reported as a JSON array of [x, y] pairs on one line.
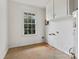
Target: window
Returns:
[[29, 23]]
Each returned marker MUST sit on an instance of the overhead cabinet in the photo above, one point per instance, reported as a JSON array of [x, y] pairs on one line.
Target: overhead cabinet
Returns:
[[59, 8], [49, 10]]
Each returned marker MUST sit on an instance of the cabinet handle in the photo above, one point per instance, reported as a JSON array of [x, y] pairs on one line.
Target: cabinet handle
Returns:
[[54, 15], [52, 34], [57, 32]]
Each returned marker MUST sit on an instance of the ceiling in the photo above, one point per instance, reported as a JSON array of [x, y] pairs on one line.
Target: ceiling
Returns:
[[38, 3]]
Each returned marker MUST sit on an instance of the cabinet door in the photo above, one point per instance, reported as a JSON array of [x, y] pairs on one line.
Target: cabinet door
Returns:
[[60, 8], [52, 39], [49, 10]]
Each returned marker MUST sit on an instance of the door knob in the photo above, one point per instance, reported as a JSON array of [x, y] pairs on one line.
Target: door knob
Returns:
[[57, 32]]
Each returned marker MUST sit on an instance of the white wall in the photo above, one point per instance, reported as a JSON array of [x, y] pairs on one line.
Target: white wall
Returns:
[[64, 40], [38, 3], [16, 20], [3, 28]]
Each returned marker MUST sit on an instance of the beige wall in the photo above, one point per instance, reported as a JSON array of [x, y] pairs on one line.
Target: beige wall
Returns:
[[16, 26], [3, 28]]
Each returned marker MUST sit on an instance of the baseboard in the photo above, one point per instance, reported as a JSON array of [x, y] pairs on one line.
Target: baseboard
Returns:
[[38, 43], [23, 44], [4, 54], [65, 52]]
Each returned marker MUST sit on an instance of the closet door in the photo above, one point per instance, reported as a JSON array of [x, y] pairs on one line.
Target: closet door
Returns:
[[60, 8]]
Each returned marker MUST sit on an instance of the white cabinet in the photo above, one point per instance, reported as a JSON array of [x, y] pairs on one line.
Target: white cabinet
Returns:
[[64, 39], [49, 10], [52, 39], [59, 8]]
